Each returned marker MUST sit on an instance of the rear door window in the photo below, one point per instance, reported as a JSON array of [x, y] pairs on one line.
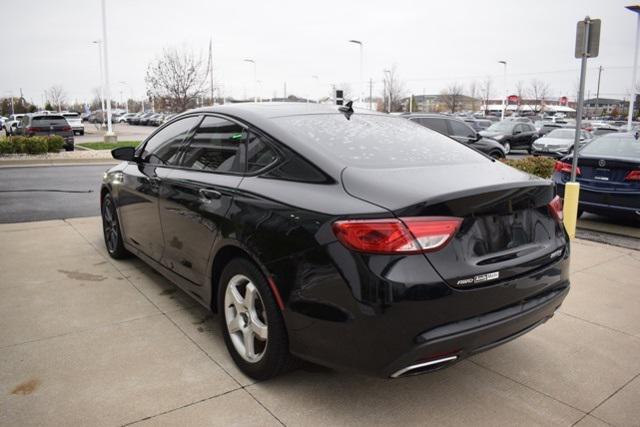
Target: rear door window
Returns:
[[215, 147], [259, 153]]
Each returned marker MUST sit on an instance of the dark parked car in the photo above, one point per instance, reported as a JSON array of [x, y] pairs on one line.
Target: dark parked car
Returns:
[[478, 124], [608, 173], [460, 131], [603, 130], [156, 119], [354, 240], [138, 120], [512, 135], [45, 125], [144, 120]]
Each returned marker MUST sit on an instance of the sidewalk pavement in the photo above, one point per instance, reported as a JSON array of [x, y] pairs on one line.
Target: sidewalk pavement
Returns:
[[86, 340]]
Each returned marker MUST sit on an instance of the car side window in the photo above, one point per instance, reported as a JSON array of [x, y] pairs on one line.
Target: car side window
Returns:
[[164, 146], [259, 153], [461, 129], [433, 123], [518, 129], [215, 146]]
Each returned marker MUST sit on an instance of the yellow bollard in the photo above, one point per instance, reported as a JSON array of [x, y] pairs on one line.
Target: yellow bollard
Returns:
[[570, 207]]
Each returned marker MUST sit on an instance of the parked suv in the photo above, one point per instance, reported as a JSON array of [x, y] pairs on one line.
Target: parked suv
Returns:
[[11, 124], [45, 125], [75, 121], [460, 131], [512, 135]]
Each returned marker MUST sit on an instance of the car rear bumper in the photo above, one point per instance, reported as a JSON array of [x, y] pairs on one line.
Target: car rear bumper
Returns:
[[606, 202], [453, 342], [397, 313]]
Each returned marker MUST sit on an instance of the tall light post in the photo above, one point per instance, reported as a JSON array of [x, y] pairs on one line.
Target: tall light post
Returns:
[[315, 79], [361, 44], [504, 98], [102, 106], [387, 74], [636, 9], [255, 78], [110, 136]]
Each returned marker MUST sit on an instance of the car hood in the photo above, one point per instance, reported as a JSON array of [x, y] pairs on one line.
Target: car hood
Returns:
[[395, 189]]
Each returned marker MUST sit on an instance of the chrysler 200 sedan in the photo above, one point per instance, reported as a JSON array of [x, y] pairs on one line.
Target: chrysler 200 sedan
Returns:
[[350, 239]]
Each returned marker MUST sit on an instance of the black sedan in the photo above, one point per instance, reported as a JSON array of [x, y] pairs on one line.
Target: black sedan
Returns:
[[460, 131], [608, 173], [352, 239], [512, 135]]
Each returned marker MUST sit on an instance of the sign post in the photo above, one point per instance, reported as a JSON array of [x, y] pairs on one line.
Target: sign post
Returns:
[[587, 46]]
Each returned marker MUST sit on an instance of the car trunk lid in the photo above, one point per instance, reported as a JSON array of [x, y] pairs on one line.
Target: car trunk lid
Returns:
[[507, 229]]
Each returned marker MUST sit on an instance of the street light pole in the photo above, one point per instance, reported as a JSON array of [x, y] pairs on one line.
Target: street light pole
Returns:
[[102, 106], [636, 9], [255, 78], [504, 98], [110, 136], [361, 44]]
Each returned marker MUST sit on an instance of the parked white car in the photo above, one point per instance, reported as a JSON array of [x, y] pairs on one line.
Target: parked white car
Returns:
[[11, 123], [559, 142], [75, 121]]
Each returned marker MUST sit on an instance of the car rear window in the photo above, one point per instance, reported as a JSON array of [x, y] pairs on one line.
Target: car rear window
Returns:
[[377, 141], [624, 146], [49, 120]]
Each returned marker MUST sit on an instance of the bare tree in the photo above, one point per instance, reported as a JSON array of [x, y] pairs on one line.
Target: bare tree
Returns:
[[539, 91], [177, 75], [486, 91], [56, 96], [474, 91], [393, 90], [452, 96]]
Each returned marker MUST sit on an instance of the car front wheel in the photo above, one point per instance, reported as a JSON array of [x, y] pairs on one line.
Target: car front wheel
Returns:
[[254, 329], [111, 229]]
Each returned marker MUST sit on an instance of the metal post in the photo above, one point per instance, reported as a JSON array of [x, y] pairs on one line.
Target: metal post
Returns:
[[102, 105], [583, 75], [211, 69], [109, 136], [370, 93], [633, 75]]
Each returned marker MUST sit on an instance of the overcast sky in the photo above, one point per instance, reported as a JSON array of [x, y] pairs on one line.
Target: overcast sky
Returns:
[[432, 43]]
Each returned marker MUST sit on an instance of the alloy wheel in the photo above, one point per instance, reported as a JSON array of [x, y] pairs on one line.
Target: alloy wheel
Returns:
[[110, 225], [246, 318]]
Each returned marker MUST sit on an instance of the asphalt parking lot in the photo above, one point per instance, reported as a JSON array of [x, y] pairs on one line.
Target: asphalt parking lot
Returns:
[[94, 133], [86, 340]]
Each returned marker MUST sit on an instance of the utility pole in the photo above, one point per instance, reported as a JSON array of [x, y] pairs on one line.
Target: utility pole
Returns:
[[370, 94], [598, 90]]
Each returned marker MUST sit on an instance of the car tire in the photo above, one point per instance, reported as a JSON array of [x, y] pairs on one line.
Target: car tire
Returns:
[[253, 327], [496, 154], [111, 229]]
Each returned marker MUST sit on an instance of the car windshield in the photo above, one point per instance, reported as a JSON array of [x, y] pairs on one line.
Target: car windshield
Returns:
[[501, 127], [562, 133], [71, 115], [374, 141], [623, 145]]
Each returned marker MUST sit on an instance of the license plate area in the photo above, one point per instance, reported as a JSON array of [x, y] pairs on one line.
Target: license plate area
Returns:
[[602, 174]]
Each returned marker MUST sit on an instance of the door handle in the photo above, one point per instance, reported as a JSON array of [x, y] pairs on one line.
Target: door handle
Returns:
[[209, 195]]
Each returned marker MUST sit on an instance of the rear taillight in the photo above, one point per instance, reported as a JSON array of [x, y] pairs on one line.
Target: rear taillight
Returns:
[[66, 129], [555, 208], [389, 236], [633, 176], [31, 130], [564, 167]]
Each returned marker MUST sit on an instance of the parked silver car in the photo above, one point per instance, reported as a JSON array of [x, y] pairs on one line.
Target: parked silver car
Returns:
[[559, 142], [45, 125], [75, 121]]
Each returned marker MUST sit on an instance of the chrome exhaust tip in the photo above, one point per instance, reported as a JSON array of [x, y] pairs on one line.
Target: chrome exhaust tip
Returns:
[[423, 367]]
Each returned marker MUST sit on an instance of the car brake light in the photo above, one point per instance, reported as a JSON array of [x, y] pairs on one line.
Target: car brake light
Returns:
[[31, 130], [389, 236], [633, 176], [564, 167], [66, 129], [555, 208]]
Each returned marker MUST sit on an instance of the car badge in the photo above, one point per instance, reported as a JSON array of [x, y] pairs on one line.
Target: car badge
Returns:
[[479, 278], [602, 163]]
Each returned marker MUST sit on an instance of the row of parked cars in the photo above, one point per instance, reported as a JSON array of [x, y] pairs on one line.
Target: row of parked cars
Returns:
[[145, 119], [17, 124], [551, 137]]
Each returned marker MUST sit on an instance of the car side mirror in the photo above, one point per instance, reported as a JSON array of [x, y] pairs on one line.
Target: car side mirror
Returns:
[[128, 154]]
